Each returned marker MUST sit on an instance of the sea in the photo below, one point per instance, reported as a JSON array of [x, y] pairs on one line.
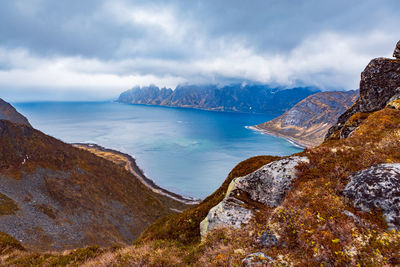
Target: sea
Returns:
[[187, 151]]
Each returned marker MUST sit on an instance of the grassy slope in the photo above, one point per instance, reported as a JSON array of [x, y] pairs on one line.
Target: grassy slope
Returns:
[[24, 149]]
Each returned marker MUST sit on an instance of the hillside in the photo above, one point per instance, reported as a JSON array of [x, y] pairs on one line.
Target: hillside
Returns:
[[233, 98], [336, 204], [8, 112], [309, 120], [55, 196]]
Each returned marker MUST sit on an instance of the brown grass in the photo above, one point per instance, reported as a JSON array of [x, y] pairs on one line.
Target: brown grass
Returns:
[[7, 205]]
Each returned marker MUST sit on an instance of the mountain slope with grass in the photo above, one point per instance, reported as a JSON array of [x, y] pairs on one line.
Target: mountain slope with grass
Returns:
[[54, 196], [8, 112], [309, 120]]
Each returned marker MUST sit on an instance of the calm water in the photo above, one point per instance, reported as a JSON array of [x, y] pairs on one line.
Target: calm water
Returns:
[[184, 150]]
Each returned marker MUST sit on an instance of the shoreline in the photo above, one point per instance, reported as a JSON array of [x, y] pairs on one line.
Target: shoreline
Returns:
[[134, 169], [202, 109], [296, 143]]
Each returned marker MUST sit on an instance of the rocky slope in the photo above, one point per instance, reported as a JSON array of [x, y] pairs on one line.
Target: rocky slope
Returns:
[[8, 112], [248, 98], [309, 120], [55, 196]]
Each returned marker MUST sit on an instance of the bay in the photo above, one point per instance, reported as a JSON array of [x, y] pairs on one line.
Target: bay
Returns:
[[186, 151]]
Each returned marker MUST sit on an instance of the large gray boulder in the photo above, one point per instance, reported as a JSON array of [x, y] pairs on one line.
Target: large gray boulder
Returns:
[[267, 186], [377, 187], [396, 53]]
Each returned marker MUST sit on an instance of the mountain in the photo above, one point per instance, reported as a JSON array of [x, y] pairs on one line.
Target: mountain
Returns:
[[336, 204], [237, 98], [309, 120], [56, 196], [8, 112]]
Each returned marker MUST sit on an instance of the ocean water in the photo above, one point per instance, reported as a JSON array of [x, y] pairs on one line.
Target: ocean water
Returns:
[[187, 151]]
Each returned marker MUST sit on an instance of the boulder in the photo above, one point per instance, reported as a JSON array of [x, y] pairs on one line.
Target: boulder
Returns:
[[396, 53], [266, 186], [268, 239], [377, 187], [379, 85], [258, 259]]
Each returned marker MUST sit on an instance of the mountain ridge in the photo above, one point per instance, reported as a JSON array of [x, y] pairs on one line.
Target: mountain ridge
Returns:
[[231, 98]]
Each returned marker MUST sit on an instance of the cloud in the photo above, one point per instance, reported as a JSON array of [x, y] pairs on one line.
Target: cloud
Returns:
[[96, 49]]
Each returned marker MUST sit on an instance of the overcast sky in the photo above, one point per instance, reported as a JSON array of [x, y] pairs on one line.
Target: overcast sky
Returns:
[[95, 49]]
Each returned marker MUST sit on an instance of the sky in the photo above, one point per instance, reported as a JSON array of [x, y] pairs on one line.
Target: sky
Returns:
[[95, 49]]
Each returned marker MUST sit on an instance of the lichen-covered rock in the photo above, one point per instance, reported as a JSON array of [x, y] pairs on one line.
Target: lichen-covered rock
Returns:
[[377, 187], [379, 85], [266, 186], [257, 259], [227, 213], [269, 184], [268, 239], [396, 52]]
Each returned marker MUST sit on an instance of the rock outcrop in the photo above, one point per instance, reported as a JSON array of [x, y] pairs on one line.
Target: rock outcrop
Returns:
[[379, 85], [8, 112], [396, 53], [266, 186], [232, 98], [309, 120], [377, 187]]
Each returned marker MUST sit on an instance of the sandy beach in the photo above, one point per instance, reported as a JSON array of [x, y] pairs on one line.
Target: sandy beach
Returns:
[[129, 163]]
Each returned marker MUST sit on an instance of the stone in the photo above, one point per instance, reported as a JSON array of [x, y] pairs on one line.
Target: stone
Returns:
[[379, 85], [266, 186], [257, 259], [377, 187], [396, 53], [268, 239], [226, 213]]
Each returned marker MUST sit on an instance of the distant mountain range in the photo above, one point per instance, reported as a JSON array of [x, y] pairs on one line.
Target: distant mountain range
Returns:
[[309, 120], [233, 98]]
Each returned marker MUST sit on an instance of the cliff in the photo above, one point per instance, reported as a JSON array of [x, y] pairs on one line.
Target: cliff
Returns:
[[8, 112], [54, 196], [234, 98], [309, 120]]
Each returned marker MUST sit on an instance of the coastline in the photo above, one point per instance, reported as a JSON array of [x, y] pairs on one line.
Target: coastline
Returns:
[[297, 143], [134, 169]]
